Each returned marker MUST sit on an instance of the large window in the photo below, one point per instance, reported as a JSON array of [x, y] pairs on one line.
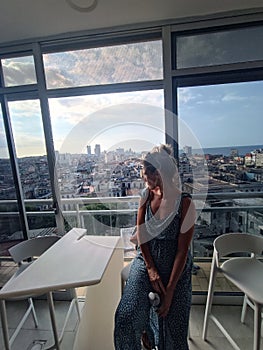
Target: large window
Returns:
[[100, 101], [92, 133], [27, 128], [105, 65], [227, 121], [219, 47], [128, 119], [224, 117], [32, 161], [99, 140], [10, 228]]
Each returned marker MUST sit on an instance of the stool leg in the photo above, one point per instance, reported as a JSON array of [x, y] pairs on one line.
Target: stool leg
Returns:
[[244, 309], [76, 302], [209, 296], [4, 325], [30, 301], [257, 326], [53, 320]]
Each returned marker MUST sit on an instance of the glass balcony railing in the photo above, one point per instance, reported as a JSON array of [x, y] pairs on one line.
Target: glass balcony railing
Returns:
[[217, 213]]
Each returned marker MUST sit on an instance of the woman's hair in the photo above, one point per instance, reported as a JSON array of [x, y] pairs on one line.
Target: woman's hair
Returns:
[[160, 159]]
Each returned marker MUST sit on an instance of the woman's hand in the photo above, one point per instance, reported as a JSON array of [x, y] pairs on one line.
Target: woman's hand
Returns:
[[166, 300], [155, 280], [134, 239]]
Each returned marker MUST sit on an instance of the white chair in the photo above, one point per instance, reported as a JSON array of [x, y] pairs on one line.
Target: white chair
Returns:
[[245, 272], [24, 254]]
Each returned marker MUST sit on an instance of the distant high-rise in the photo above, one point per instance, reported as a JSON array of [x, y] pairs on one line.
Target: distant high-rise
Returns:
[[97, 150], [234, 153], [89, 150], [188, 150]]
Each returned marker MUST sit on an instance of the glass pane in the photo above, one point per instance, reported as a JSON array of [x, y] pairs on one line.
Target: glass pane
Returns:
[[98, 140], [222, 47], [104, 65], [227, 121], [19, 71], [10, 229], [32, 160]]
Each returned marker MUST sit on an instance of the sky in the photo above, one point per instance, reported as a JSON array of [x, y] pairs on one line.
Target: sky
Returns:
[[209, 116], [224, 115]]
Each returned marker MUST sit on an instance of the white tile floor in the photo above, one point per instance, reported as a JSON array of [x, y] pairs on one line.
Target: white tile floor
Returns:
[[29, 333], [230, 317], [242, 333]]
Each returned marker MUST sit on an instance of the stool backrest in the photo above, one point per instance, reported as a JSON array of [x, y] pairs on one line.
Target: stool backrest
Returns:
[[32, 247], [238, 243]]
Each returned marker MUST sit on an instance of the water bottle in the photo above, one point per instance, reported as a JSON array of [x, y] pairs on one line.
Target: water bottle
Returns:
[[154, 299]]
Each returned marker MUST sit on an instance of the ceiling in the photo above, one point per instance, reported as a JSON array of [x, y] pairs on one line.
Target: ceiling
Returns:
[[29, 19]]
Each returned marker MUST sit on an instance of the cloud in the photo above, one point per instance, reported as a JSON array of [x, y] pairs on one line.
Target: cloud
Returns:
[[56, 79], [186, 95], [232, 97], [19, 71], [24, 109]]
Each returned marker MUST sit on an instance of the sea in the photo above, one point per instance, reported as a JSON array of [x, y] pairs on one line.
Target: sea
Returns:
[[226, 151]]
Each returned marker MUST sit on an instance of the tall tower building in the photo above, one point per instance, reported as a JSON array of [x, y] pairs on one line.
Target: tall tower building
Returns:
[[97, 150], [89, 150]]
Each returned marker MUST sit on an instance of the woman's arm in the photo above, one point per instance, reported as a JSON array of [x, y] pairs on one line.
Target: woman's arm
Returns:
[[140, 216], [184, 241], [153, 274]]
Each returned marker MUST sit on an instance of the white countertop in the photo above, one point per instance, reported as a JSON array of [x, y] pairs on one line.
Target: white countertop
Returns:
[[75, 260]]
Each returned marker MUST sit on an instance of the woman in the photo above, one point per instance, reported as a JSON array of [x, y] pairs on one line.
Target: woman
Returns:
[[163, 264]]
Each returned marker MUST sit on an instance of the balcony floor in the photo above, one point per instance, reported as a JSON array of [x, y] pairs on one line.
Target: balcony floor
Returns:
[[242, 333]]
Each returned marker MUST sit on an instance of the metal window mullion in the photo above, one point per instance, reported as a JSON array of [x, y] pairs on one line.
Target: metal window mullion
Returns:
[[224, 20], [98, 38], [12, 90], [51, 158], [14, 167], [104, 89], [236, 68], [15, 50], [170, 101]]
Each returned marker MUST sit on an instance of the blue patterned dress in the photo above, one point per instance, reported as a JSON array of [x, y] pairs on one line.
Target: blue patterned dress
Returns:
[[134, 313]]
